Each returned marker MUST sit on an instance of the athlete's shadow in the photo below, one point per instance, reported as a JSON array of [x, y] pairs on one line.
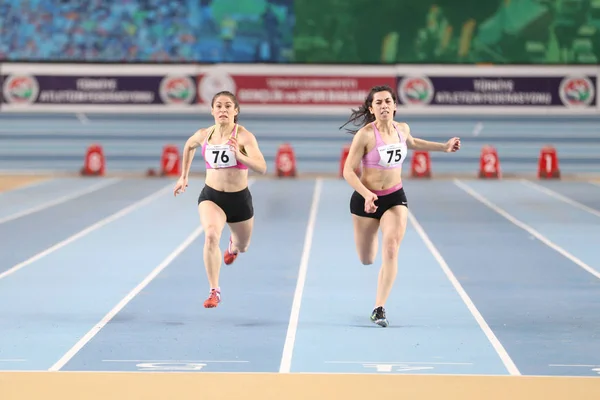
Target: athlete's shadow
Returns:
[[364, 322], [356, 322], [370, 325]]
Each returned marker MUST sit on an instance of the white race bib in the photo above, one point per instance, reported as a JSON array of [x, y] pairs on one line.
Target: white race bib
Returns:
[[220, 156], [391, 155]]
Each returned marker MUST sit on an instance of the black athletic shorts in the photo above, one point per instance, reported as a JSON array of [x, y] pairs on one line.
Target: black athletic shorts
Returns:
[[383, 203], [237, 206]]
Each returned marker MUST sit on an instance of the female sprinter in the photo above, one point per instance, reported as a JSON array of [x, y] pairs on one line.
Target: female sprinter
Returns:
[[228, 150], [379, 200]]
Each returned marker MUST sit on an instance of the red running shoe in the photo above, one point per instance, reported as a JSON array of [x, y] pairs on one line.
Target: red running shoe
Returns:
[[229, 256], [213, 299]]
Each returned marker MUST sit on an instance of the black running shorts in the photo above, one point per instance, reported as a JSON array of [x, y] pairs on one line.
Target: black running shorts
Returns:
[[237, 206], [383, 203]]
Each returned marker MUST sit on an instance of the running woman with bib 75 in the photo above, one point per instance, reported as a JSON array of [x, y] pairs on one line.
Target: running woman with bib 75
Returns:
[[379, 201], [228, 150]]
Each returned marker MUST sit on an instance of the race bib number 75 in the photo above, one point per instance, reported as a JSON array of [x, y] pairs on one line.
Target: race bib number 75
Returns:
[[390, 155]]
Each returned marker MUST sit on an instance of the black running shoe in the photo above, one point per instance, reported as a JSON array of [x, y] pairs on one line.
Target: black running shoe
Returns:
[[378, 317]]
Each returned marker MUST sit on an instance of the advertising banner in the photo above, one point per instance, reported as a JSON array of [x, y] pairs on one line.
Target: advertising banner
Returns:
[[97, 89], [499, 90], [292, 90]]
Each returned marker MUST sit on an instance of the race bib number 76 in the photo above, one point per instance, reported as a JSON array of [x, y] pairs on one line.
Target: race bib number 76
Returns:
[[220, 156]]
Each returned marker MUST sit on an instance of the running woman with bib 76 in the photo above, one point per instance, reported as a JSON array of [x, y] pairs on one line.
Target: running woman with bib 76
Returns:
[[228, 150], [378, 200]]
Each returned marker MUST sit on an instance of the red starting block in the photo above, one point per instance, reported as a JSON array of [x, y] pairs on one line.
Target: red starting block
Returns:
[[420, 164], [170, 161], [343, 158], [489, 163], [548, 164], [94, 163], [285, 161]]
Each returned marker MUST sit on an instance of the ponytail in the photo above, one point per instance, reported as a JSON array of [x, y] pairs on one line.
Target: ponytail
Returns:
[[363, 116], [360, 117]]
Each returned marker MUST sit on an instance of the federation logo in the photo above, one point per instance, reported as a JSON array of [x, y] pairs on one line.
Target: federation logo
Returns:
[[177, 90], [576, 91], [213, 82], [20, 89], [415, 91]]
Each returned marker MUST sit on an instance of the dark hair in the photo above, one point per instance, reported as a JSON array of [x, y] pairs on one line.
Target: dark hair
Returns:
[[362, 116], [232, 97]]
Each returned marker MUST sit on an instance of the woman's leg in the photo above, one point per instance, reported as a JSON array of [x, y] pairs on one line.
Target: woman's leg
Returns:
[[393, 227], [241, 233], [365, 238], [213, 220]]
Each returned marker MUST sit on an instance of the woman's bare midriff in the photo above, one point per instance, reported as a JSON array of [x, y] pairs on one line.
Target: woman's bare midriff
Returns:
[[227, 179], [376, 179]]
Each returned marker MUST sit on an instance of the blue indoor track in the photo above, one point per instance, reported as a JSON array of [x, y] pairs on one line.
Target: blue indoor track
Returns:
[[496, 277]]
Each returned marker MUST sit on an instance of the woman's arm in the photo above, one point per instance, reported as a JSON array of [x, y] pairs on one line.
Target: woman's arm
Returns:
[[189, 150], [253, 157], [355, 154], [420, 144]]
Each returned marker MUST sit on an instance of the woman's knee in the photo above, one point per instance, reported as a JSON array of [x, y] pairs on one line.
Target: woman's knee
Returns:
[[212, 236], [367, 259], [367, 255], [367, 252], [391, 246], [243, 247], [241, 234]]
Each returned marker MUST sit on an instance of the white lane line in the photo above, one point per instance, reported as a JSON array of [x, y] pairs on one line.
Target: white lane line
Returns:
[[106, 319], [59, 200], [500, 350], [87, 230], [528, 229], [288, 347], [560, 197]]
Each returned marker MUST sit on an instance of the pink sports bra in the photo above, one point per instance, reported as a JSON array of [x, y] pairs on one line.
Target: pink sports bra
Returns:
[[217, 156], [385, 156]]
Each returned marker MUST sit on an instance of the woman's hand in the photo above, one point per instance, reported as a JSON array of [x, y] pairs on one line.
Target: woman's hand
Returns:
[[452, 145], [180, 186], [234, 146], [370, 206]]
